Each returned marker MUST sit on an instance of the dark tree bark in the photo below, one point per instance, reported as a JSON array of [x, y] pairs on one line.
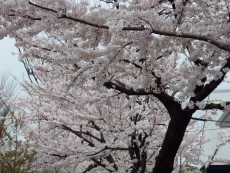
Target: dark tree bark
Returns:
[[174, 135], [172, 141]]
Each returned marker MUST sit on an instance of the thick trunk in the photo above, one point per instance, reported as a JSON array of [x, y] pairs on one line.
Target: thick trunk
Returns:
[[173, 138]]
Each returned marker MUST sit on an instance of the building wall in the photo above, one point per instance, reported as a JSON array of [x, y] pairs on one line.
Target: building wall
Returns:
[[213, 132]]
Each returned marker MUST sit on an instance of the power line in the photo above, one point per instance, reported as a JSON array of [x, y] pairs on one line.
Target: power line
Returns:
[[201, 119], [202, 130]]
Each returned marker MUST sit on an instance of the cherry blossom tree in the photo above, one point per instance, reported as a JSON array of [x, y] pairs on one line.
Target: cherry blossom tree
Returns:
[[101, 133], [112, 75]]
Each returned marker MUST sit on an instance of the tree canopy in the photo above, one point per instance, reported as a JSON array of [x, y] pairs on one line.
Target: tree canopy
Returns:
[[116, 82]]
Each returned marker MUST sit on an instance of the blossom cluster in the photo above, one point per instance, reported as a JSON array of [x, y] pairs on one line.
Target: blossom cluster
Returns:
[[101, 72]]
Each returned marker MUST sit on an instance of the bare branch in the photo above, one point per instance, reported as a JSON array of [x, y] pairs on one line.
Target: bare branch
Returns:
[[95, 126], [110, 148], [60, 156], [78, 134]]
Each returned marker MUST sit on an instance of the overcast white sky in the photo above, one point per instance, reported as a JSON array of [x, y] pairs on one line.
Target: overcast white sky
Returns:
[[9, 62]]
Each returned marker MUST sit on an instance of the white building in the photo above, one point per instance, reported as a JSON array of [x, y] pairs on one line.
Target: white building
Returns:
[[214, 130]]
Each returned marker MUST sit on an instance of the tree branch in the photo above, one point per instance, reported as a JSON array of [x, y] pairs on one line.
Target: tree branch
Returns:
[[215, 106], [44, 8], [194, 37], [143, 140], [158, 79], [181, 13], [154, 31], [110, 148], [130, 91], [60, 156], [95, 126], [168, 101], [211, 106], [90, 167], [100, 164], [78, 134], [211, 86]]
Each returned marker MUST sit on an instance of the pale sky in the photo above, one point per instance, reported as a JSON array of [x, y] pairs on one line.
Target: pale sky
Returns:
[[10, 63]]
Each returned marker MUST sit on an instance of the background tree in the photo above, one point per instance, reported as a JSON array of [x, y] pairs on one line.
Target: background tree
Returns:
[[15, 155], [90, 58]]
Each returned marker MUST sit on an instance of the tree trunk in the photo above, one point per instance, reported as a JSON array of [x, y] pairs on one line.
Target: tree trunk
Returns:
[[173, 138]]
